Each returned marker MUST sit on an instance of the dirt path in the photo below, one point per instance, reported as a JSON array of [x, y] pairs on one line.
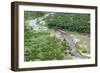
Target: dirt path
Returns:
[[70, 41]]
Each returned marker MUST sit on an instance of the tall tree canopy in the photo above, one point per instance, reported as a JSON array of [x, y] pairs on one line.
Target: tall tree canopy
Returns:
[[70, 21]]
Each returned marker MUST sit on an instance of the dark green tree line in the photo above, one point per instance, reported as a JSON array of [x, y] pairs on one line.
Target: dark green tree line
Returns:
[[70, 21]]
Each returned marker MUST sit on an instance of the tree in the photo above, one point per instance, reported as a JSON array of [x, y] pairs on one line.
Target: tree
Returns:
[[70, 21], [28, 15]]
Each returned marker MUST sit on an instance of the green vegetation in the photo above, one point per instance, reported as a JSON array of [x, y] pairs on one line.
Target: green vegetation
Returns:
[[43, 47], [28, 15], [70, 21], [40, 45]]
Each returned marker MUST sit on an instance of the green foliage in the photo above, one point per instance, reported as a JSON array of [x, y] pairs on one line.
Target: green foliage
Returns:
[[43, 47], [70, 21], [32, 14], [28, 32], [39, 45]]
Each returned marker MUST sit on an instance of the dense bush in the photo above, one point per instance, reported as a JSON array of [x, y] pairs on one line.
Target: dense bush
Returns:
[[44, 47], [78, 22], [70, 21]]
